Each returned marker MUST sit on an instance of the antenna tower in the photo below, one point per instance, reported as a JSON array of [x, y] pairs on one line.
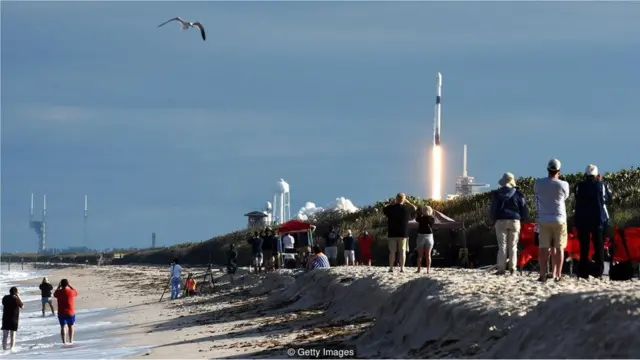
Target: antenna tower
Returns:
[[85, 239]]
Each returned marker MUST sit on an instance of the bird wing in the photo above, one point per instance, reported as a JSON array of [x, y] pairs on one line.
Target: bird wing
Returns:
[[204, 37], [174, 19]]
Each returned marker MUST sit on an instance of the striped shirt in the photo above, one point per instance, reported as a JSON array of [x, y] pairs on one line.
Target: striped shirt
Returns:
[[320, 261]]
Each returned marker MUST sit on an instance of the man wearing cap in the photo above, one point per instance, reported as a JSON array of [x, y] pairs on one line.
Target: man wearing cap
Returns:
[[552, 193], [590, 219], [508, 208]]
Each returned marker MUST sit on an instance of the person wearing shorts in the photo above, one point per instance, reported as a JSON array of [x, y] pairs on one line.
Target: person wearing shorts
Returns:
[[11, 305], [424, 241], [256, 251], [46, 290], [268, 248], [331, 240], [399, 212], [66, 294], [551, 194], [349, 248]]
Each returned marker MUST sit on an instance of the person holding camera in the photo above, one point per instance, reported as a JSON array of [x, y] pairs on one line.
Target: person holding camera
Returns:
[[508, 209], [399, 212], [45, 291], [591, 218], [66, 294], [11, 305]]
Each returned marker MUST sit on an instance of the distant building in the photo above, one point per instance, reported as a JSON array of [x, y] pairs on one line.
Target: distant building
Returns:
[[256, 220]]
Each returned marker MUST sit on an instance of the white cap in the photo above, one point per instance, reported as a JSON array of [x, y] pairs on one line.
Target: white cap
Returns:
[[507, 180], [554, 165], [591, 170], [427, 210]]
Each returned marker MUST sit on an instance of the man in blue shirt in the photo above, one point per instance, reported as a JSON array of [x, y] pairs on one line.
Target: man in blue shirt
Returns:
[[349, 248], [331, 240], [508, 208], [591, 218]]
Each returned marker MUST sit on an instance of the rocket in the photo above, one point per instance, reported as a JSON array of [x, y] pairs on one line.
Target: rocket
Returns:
[[437, 111], [86, 208]]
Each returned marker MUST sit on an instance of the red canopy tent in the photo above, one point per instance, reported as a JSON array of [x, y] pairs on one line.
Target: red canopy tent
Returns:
[[293, 226]]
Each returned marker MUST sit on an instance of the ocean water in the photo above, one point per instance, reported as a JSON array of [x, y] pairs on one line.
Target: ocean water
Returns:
[[39, 337]]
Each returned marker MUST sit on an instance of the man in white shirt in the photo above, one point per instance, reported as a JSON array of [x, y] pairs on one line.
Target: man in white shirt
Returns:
[[551, 194], [288, 242]]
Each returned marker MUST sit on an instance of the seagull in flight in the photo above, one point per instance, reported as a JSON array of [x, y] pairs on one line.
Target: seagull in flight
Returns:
[[187, 24]]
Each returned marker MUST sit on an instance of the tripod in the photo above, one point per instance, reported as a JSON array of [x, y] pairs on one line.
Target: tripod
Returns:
[[207, 275]]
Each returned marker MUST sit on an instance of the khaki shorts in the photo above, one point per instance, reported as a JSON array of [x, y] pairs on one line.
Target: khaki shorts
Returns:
[[553, 235], [398, 245]]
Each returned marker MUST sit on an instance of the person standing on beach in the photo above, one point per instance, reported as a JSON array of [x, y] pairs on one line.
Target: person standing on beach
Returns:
[[268, 242], [331, 240], [349, 249], [232, 262], [399, 212], [590, 218], [175, 279], [552, 193], [11, 305], [508, 208], [256, 251], [66, 295], [365, 241], [45, 291], [425, 241]]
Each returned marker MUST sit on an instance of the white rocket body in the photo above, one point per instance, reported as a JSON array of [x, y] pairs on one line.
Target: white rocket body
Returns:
[[437, 111]]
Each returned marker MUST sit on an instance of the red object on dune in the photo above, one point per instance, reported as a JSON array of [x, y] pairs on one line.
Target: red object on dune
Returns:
[[294, 226]]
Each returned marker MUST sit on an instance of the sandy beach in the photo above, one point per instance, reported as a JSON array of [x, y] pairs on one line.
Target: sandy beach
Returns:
[[451, 313]]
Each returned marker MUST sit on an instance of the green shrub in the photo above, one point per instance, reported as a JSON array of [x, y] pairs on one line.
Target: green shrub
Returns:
[[472, 210]]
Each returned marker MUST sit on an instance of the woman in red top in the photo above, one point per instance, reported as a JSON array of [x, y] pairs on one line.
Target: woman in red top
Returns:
[[365, 241], [66, 295]]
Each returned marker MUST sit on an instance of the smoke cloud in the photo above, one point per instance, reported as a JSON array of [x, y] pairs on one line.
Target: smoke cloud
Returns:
[[340, 204]]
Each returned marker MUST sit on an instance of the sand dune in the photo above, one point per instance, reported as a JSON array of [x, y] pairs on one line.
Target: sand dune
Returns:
[[452, 313], [471, 313]]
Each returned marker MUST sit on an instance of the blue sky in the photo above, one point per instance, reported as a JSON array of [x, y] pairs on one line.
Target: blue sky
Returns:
[[171, 134]]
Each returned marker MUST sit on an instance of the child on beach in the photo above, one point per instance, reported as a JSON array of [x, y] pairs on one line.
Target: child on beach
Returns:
[[190, 285], [45, 291], [11, 305], [66, 294]]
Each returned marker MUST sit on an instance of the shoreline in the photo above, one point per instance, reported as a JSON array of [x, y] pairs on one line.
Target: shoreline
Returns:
[[450, 313]]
